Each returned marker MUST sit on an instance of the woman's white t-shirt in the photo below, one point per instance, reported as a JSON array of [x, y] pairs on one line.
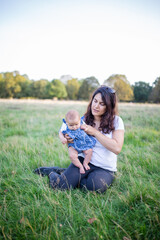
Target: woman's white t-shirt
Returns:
[[101, 156]]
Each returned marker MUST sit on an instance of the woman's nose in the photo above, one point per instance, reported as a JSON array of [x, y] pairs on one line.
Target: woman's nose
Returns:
[[96, 105]]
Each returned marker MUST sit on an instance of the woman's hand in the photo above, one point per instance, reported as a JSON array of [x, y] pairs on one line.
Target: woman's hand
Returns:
[[88, 129], [69, 139]]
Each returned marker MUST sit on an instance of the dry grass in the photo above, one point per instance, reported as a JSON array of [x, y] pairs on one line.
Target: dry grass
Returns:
[[50, 101]]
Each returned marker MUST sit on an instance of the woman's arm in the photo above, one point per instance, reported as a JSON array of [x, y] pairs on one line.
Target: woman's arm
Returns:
[[113, 144], [66, 136], [62, 138]]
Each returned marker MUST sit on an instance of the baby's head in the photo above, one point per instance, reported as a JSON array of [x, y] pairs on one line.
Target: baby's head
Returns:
[[73, 120]]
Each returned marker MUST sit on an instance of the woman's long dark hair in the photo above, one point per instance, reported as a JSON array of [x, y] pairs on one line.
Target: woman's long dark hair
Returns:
[[107, 119]]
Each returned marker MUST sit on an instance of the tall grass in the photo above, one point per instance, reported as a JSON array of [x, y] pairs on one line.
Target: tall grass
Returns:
[[29, 209]]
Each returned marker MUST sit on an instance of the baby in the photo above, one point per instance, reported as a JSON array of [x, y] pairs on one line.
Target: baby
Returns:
[[81, 141]]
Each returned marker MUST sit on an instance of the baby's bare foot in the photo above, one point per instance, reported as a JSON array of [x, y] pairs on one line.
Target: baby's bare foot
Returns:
[[82, 170], [86, 166]]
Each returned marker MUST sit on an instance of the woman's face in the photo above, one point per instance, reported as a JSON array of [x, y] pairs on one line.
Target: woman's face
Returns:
[[98, 107]]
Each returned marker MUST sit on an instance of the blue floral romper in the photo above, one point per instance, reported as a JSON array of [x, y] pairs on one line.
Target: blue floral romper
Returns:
[[81, 141]]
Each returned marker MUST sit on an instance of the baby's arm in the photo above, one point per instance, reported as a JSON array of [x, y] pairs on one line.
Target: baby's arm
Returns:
[[62, 138]]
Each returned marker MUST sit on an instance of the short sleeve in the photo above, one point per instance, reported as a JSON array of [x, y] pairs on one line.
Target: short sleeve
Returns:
[[118, 123], [82, 120], [63, 127]]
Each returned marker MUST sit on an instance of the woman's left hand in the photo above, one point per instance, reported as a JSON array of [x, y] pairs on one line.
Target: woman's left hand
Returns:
[[88, 129], [69, 139]]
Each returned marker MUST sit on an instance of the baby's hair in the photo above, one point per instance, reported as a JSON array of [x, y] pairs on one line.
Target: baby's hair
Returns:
[[72, 114]]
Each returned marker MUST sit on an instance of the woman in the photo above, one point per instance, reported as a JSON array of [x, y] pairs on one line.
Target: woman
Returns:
[[108, 129]]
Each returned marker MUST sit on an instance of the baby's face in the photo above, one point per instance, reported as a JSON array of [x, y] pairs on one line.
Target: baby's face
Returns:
[[73, 124]]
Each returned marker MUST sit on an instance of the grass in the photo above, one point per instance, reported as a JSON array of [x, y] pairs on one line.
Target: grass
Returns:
[[29, 209]]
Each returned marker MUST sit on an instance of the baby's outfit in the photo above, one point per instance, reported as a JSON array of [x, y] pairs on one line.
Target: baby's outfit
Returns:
[[81, 141]]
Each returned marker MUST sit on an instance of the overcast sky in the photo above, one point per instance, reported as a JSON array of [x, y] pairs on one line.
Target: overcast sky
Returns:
[[50, 38]]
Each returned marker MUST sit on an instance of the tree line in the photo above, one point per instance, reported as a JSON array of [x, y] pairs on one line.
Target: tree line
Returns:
[[14, 85]]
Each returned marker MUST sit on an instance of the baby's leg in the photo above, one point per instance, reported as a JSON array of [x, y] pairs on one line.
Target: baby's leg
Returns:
[[87, 159], [73, 154]]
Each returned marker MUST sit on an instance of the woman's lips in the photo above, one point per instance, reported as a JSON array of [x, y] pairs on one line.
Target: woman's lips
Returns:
[[94, 110]]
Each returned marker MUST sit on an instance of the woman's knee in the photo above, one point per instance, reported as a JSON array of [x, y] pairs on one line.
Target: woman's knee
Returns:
[[99, 186], [99, 182]]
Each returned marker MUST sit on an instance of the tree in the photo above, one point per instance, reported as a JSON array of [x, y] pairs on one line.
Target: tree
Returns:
[[155, 93], [22, 85], [12, 84], [121, 85], [39, 88], [9, 87], [2, 85], [142, 91], [26, 87], [88, 86], [72, 88], [57, 89]]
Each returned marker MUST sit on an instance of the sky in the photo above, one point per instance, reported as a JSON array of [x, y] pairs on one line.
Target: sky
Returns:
[[46, 39]]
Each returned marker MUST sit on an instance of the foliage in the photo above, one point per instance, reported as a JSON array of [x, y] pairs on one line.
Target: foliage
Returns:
[[72, 88], [39, 89], [29, 209], [124, 90], [57, 89], [155, 94], [14, 85], [121, 85], [88, 86], [7, 85], [142, 91]]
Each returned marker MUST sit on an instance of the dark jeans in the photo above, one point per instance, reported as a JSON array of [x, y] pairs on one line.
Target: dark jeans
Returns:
[[94, 179]]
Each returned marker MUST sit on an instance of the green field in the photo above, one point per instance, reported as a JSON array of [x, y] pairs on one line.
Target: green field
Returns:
[[29, 209]]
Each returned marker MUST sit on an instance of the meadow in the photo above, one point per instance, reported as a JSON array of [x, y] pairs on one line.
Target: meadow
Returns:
[[29, 209]]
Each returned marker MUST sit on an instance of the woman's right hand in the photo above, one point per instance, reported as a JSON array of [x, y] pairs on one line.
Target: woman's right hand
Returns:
[[69, 139], [88, 129]]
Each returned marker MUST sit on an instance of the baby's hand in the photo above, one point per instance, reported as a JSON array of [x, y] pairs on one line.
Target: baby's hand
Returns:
[[86, 166]]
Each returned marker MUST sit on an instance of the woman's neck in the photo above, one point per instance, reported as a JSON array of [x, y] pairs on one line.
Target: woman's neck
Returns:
[[97, 121]]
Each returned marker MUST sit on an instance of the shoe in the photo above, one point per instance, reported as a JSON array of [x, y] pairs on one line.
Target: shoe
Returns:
[[45, 171]]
